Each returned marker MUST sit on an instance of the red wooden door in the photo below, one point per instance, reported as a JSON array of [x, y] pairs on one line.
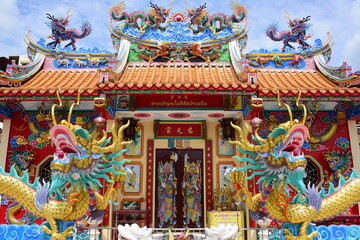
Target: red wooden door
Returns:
[[179, 188]]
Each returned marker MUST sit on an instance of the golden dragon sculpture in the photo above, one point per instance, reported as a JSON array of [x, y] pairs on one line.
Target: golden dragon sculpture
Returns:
[[81, 161], [280, 164]]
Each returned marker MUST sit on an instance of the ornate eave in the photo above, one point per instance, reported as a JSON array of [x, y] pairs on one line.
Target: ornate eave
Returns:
[[338, 74], [154, 43], [81, 53], [277, 59], [19, 74]]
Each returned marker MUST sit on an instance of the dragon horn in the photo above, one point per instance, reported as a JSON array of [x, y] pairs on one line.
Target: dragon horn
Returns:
[[171, 3], [67, 14], [202, 7], [287, 15], [244, 143], [48, 16], [155, 6], [284, 105], [303, 107], [305, 19], [73, 105], [118, 142], [55, 106]]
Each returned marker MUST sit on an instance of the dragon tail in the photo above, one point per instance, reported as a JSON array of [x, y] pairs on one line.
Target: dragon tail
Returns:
[[271, 32], [337, 200], [85, 30]]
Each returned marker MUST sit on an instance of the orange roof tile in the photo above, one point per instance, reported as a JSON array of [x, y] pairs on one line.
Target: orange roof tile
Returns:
[[179, 76], [47, 82], [197, 77], [310, 82]]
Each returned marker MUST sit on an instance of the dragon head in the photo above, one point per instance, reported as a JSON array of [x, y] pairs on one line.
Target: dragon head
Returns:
[[279, 156], [338, 160], [82, 157], [21, 159], [197, 14], [159, 13]]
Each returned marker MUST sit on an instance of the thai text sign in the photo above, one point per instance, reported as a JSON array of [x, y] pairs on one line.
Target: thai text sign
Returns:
[[174, 129], [179, 101], [227, 217]]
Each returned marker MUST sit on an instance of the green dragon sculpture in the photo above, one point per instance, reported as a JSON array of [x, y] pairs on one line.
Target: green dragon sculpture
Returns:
[[141, 20], [81, 161], [280, 164], [216, 22]]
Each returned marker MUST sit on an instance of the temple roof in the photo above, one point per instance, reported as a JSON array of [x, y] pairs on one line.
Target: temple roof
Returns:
[[310, 82], [47, 82], [212, 78], [182, 76]]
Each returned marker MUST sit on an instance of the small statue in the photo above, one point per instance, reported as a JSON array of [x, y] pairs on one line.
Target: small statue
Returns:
[[60, 33], [296, 34]]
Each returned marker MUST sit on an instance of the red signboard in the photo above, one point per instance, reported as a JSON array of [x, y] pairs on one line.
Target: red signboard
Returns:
[[171, 129], [149, 190], [179, 101], [209, 173]]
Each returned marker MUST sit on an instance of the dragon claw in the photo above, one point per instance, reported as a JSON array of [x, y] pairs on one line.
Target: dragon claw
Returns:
[[56, 235], [289, 235]]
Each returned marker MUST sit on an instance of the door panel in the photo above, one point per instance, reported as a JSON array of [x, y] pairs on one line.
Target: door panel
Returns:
[[179, 188]]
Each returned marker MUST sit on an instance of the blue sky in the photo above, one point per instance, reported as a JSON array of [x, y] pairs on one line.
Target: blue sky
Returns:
[[340, 18]]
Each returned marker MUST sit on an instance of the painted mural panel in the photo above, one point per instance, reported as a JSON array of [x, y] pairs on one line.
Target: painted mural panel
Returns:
[[132, 183]]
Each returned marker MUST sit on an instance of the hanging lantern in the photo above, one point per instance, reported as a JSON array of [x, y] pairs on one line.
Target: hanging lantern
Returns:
[[256, 122], [99, 122], [228, 132], [129, 132]]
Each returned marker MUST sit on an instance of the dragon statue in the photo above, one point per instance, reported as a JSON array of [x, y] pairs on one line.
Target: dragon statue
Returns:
[[216, 22], [279, 164], [339, 163], [153, 19], [21, 160], [296, 34], [60, 33], [81, 162]]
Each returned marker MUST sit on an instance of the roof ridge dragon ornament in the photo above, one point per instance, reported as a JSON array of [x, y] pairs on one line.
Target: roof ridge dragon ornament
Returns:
[[82, 159], [215, 22], [280, 164], [152, 19], [60, 33], [296, 34]]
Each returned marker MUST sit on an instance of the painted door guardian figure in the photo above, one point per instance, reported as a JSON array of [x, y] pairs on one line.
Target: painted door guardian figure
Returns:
[[191, 189], [167, 191]]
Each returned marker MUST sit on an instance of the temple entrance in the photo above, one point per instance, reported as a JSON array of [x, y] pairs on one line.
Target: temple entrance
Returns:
[[179, 188]]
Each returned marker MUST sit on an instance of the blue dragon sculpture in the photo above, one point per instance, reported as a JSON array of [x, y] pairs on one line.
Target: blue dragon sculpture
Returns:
[[297, 33], [60, 33]]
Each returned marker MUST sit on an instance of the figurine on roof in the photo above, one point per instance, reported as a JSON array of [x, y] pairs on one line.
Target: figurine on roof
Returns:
[[155, 16], [296, 34], [60, 33], [215, 22]]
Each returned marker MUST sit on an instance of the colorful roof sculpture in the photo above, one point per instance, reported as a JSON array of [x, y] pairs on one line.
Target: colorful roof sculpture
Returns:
[[181, 52]]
